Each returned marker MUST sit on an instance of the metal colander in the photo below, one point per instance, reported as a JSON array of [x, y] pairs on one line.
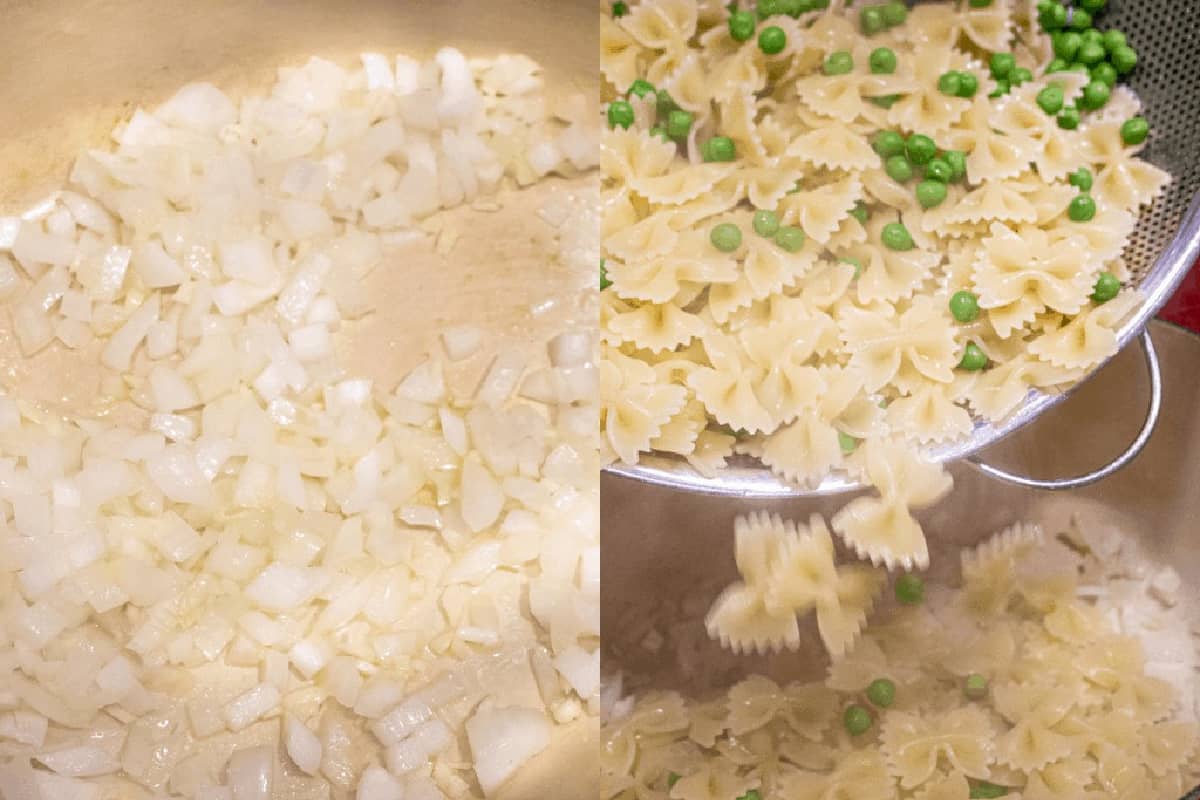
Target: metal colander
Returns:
[[1164, 245]]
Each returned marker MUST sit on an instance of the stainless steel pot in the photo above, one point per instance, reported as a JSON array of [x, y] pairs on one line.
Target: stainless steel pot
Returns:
[[666, 554], [74, 68]]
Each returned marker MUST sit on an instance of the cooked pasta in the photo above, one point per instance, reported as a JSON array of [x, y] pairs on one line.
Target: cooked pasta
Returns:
[[1017, 680], [861, 177]]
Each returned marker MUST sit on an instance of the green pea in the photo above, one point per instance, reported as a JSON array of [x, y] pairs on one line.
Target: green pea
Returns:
[[894, 13], [1091, 53], [1124, 59], [751, 795], [661, 133], [679, 123], [1081, 179], [886, 101], [620, 114], [857, 720], [1105, 73], [742, 25], [888, 144], [719, 148], [766, 223], [1135, 130], [1020, 75], [898, 169], [794, 8], [604, 281], [673, 778], [1057, 65], [1051, 99], [769, 8], [910, 589], [1113, 39], [847, 443], [1066, 45], [1002, 64], [975, 687], [931, 194], [882, 61], [1107, 287], [939, 170], [772, 40], [790, 238], [838, 63], [950, 83], [619, 9], [958, 164], [896, 237], [726, 237], [860, 212], [1095, 95], [1092, 35], [964, 306], [1003, 87], [982, 790], [881, 692], [871, 20], [974, 359], [1093, 6], [640, 88], [920, 149], [1081, 19], [968, 84], [1068, 119], [1054, 17], [664, 104], [979, 3]]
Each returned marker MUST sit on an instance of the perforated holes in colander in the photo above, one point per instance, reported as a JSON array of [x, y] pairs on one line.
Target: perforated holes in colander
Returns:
[[1166, 36]]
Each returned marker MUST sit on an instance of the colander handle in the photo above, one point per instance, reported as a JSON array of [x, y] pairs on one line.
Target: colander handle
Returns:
[[1131, 452]]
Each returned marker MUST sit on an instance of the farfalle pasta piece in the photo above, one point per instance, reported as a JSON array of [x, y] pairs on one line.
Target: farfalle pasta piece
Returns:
[[1167, 745], [618, 54], [916, 745], [834, 146], [929, 414], [846, 97], [740, 621], [753, 703], [921, 337], [627, 155], [819, 211], [989, 569], [840, 621], [858, 774], [634, 406], [662, 25], [1088, 339], [657, 327], [1020, 273], [680, 185], [1032, 744], [882, 528], [803, 451]]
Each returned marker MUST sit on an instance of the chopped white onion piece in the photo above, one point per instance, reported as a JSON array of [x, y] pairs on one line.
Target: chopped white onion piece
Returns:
[[80, 761], [502, 740], [252, 773], [251, 706], [303, 746]]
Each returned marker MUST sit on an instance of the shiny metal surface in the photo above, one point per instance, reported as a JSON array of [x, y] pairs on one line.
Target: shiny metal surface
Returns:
[[1163, 247], [1154, 376]]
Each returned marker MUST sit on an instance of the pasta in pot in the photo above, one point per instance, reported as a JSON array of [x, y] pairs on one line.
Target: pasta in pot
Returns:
[[1020, 679], [870, 174]]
